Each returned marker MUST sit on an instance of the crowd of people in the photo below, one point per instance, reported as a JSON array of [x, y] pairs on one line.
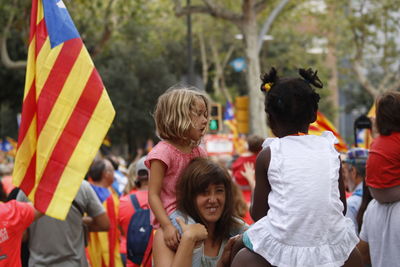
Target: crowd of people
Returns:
[[291, 200]]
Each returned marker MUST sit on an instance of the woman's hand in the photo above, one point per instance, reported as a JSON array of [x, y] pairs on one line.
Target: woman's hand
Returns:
[[194, 232], [171, 236], [226, 254]]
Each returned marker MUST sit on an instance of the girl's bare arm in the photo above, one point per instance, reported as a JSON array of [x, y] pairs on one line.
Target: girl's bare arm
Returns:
[[259, 204], [157, 172]]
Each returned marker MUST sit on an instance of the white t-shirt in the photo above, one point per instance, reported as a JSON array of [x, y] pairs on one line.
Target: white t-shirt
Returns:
[[381, 230]]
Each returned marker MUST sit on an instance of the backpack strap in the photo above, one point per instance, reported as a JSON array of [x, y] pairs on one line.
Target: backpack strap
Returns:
[[135, 202], [76, 205]]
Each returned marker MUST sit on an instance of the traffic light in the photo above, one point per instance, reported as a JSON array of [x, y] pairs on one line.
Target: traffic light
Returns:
[[215, 118]]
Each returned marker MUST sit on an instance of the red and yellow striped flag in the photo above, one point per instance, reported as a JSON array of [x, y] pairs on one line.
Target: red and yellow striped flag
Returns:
[[323, 124], [65, 115]]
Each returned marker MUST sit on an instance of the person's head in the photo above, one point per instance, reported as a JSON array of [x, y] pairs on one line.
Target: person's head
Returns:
[[354, 165], [388, 113], [254, 143], [291, 104], [181, 115], [113, 160], [204, 192], [142, 172], [102, 171]]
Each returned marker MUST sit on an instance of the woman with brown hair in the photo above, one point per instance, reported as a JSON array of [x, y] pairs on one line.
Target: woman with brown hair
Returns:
[[206, 221]]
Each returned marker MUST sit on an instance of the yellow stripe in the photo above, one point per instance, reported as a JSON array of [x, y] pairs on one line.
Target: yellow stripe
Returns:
[[30, 68], [44, 64], [82, 157], [25, 153], [40, 13], [62, 111]]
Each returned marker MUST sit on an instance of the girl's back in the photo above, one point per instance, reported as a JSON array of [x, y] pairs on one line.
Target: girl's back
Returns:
[[305, 207], [305, 225]]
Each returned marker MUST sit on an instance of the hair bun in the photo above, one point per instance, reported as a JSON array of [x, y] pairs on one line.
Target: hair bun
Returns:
[[310, 76], [270, 77]]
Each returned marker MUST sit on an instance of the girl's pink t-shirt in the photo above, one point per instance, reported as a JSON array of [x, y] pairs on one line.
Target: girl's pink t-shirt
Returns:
[[175, 162]]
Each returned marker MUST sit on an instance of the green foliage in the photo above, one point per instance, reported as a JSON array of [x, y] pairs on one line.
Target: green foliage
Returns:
[[137, 67]]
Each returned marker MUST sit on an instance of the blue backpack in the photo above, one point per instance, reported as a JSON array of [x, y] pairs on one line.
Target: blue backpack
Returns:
[[139, 232]]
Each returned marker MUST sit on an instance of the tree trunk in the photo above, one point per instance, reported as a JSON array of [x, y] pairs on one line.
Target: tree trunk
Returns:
[[333, 82], [257, 117]]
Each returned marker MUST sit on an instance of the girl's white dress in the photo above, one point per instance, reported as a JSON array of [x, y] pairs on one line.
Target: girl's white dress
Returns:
[[305, 225]]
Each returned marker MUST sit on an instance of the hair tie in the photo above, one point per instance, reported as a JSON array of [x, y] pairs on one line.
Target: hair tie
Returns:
[[267, 87]]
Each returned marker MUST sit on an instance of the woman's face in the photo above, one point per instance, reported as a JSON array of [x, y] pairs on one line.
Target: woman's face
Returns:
[[211, 203]]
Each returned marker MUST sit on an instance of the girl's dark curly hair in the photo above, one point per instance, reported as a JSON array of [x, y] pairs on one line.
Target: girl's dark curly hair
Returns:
[[291, 101]]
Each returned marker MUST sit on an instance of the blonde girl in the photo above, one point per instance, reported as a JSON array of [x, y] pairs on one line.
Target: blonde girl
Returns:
[[181, 118]]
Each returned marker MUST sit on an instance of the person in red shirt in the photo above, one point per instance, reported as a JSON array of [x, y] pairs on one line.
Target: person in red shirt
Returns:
[[15, 217], [383, 164], [126, 210], [254, 144]]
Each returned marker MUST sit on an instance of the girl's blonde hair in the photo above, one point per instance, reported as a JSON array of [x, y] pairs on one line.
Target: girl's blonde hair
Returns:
[[173, 110]]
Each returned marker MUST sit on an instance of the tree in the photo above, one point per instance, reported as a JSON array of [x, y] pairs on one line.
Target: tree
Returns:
[[373, 27], [246, 21]]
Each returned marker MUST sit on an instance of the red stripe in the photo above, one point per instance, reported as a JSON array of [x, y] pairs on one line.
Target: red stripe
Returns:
[[33, 19], [324, 126], [56, 79], [68, 140], [41, 36], [28, 112], [29, 179], [112, 232]]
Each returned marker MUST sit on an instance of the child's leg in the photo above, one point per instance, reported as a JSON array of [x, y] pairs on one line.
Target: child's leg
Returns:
[[242, 256], [354, 259], [246, 257], [236, 247]]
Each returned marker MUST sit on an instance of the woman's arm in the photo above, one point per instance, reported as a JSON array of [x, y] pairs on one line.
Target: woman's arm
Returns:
[[171, 234], [363, 247], [164, 256], [259, 204]]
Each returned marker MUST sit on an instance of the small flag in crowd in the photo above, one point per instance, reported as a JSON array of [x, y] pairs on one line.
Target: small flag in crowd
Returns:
[[230, 121], [5, 145], [66, 111], [323, 124]]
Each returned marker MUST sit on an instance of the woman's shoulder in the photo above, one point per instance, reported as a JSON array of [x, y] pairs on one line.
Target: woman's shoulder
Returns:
[[239, 227]]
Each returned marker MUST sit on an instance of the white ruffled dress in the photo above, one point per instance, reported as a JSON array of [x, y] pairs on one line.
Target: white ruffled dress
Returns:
[[305, 225]]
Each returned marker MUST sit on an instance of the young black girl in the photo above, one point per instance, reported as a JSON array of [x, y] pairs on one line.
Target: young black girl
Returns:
[[298, 202]]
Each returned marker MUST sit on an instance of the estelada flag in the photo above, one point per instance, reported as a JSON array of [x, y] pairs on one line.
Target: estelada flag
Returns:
[[323, 124], [66, 112]]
